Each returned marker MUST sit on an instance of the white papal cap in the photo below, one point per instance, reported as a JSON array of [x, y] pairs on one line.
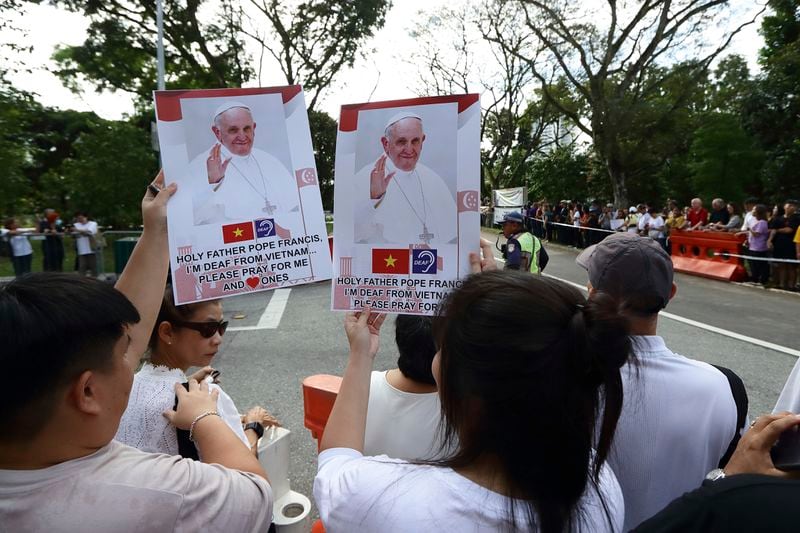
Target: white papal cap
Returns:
[[400, 116], [230, 104]]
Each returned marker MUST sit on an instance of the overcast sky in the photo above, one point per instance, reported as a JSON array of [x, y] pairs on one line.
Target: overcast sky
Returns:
[[382, 76]]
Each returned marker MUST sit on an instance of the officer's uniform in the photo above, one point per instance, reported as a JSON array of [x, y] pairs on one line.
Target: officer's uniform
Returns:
[[523, 249]]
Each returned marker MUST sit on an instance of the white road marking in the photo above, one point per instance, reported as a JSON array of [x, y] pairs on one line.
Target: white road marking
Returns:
[[700, 325], [271, 318]]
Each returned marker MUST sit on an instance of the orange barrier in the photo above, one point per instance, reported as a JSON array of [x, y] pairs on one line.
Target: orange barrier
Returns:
[[694, 252], [319, 393]]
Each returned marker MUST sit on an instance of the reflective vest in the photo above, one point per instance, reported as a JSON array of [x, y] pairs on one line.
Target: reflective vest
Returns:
[[529, 245]]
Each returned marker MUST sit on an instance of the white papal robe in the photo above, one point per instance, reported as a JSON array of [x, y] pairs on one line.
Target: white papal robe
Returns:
[[243, 194], [414, 202]]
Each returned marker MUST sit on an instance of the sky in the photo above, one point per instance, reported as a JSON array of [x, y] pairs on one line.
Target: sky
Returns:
[[386, 74]]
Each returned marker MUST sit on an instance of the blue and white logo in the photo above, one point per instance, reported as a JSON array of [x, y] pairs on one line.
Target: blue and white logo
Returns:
[[265, 227], [423, 261]]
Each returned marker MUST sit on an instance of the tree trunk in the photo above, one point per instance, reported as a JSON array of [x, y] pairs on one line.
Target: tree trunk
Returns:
[[618, 185]]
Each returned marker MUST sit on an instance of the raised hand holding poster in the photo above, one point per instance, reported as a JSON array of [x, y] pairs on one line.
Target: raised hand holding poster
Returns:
[[248, 214]]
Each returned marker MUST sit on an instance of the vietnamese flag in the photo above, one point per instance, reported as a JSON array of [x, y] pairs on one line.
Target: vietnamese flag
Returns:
[[243, 231], [390, 261]]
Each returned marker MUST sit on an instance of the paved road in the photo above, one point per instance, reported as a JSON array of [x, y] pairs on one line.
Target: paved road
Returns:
[[266, 366]]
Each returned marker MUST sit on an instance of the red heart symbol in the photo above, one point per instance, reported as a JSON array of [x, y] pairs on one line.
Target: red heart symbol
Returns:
[[253, 282]]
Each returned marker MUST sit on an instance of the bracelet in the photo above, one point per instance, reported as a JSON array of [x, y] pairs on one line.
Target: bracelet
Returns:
[[198, 419]]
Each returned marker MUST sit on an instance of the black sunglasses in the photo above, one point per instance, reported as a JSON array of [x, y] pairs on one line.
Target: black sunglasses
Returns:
[[206, 329]]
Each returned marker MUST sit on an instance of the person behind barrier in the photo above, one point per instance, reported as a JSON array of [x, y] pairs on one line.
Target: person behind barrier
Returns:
[[757, 247], [521, 364], [782, 230], [522, 251], [749, 204], [21, 250], [70, 346], [749, 494], [655, 227], [632, 220], [403, 412], [719, 212], [697, 215], [184, 336], [654, 457]]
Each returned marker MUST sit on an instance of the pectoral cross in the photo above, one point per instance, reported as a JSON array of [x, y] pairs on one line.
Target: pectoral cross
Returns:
[[425, 236], [268, 207]]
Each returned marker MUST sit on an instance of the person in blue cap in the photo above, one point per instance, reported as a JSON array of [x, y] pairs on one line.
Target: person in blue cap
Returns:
[[522, 251]]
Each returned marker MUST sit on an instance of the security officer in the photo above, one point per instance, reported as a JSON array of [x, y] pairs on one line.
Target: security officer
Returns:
[[522, 251]]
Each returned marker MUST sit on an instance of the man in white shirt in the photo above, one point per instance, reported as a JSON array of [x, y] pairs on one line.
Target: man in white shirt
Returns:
[[403, 412], [679, 416], [239, 181], [655, 227], [408, 203], [749, 218], [71, 345], [86, 230]]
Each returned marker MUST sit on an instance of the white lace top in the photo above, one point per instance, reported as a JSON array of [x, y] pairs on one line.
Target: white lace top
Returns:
[[143, 425]]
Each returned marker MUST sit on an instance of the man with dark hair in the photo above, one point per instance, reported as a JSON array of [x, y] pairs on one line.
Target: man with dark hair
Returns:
[[403, 412], [70, 346], [655, 457]]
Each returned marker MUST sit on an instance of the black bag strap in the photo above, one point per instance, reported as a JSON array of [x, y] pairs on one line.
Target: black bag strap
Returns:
[[186, 448], [740, 398]]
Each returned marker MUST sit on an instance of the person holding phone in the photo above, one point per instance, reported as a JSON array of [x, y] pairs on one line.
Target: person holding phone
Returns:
[[184, 336]]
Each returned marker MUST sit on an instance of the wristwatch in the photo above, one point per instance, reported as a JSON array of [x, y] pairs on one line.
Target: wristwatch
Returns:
[[715, 475], [255, 426]]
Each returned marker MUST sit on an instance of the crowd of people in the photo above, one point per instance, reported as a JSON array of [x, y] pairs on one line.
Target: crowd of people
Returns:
[[524, 405], [51, 230], [772, 234]]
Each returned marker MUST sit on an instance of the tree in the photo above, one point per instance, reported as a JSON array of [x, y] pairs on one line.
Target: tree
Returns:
[[315, 39], [119, 52], [16, 110], [323, 137], [724, 159], [515, 123], [608, 55], [562, 173], [772, 109], [112, 165]]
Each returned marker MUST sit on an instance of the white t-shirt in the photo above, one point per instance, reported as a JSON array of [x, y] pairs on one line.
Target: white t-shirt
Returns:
[[144, 427], [677, 421], [576, 218], [644, 219], [656, 230], [119, 488], [366, 494], [748, 221], [400, 424], [20, 245], [84, 245]]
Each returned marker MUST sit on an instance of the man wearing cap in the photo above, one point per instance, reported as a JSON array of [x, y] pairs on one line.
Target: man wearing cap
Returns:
[[238, 180], [408, 202], [522, 249], [679, 416]]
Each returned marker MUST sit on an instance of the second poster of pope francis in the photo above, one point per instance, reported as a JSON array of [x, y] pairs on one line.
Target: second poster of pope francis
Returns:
[[406, 202]]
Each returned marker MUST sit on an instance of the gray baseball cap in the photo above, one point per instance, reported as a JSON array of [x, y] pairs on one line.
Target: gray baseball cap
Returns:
[[631, 267]]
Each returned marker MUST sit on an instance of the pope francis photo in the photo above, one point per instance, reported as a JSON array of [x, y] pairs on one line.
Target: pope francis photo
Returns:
[[408, 202], [238, 181]]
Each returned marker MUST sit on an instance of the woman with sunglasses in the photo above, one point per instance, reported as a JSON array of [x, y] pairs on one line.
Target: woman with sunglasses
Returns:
[[184, 336]]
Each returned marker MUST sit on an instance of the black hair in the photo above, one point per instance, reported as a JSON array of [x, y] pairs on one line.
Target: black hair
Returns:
[[523, 362], [414, 337], [752, 200], [54, 327], [169, 312], [761, 212]]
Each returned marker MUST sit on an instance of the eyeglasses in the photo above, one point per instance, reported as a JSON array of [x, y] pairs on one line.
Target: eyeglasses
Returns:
[[206, 329]]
